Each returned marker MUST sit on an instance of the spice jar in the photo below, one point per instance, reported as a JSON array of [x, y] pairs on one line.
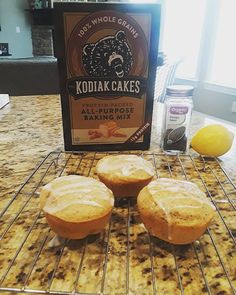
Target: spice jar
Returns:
[[176, 120]]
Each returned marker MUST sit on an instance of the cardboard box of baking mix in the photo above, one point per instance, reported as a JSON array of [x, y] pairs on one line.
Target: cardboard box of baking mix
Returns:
[[107, 57]]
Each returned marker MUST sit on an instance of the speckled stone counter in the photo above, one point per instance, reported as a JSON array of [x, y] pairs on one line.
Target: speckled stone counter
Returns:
[[30, 128]]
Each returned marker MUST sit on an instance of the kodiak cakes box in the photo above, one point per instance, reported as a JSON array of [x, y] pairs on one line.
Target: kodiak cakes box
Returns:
[[107, 58]]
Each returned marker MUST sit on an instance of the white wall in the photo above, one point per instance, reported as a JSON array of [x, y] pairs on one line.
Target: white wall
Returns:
[[214, 103]]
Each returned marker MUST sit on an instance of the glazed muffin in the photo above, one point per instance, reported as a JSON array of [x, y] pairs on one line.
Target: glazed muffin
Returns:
[[76, 206], [125, 175], [175, 211]]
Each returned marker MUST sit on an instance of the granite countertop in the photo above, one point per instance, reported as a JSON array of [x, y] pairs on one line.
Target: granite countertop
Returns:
[[31, 128]]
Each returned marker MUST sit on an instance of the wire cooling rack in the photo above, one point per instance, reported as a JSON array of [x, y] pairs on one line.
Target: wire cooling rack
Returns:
[[123, 259]]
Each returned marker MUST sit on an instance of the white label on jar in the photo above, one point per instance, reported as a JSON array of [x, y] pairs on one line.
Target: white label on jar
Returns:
[[176, 115], [178, 110]]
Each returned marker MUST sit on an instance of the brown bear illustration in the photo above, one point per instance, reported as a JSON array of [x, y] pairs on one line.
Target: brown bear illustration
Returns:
[[109, 57]]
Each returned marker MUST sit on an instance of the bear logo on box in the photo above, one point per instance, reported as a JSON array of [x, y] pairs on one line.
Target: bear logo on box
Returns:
[[108, 57]]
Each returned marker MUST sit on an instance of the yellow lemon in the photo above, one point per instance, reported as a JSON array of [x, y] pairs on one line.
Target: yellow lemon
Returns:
[[212, 140]]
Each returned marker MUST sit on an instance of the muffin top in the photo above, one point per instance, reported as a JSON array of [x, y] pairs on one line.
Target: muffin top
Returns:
[[125, 167], [76, 198], [178, 201]]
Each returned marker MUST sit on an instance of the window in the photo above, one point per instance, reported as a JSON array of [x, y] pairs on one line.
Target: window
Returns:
[[201, 34], [223, 69], [183, 25]]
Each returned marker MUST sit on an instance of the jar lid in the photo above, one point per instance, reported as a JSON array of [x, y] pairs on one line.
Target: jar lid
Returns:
[[179, 90]]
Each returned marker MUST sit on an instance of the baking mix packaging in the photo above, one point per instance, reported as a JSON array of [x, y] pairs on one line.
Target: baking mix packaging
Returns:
[[107, 56]]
